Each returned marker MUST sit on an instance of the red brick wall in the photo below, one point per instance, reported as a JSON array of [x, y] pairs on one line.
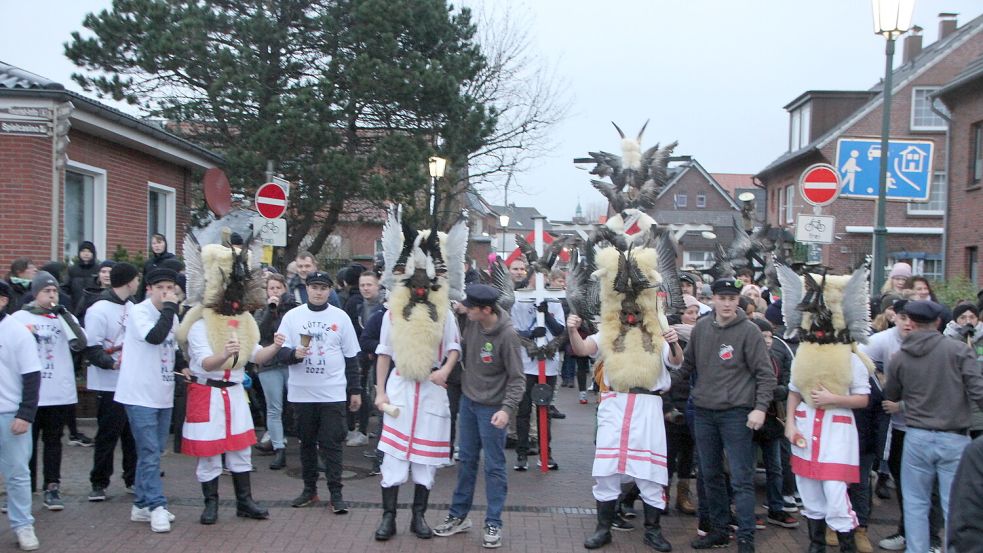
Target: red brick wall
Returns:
[[691, 183], [25, 186], [965, 224]]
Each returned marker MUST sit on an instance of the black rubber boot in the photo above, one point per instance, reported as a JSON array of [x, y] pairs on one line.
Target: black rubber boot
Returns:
[[210, 491], [847, 542], [817, 535], [245, 506], [387, 526], [421, 496], [653, 530], [602, 534], [280, 460]]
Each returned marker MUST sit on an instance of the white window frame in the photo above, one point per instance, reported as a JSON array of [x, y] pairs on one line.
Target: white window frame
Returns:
[[170, 212], [800, 120], [939, 182], [928, 90], [701, 200], [919, 268], [704, 262], [790, 204], [684, 197], [99, 218]]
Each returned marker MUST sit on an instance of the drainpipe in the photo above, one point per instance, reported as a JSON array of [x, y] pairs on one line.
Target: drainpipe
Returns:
[[945, 212]]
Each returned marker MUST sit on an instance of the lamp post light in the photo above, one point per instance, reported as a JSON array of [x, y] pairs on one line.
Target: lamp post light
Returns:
[[503, 223], [437, 167], [892, 18]]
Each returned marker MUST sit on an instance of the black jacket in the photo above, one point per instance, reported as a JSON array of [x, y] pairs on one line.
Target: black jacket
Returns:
[[965, 529]]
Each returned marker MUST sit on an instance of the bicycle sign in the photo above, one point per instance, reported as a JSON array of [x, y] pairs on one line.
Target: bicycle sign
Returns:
[[271, 232], [816, 229]]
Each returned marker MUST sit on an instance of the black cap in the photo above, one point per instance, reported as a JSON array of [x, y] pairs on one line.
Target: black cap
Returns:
[[480, 295], [962, 308], [161, 275], [107, 263], [730, 286], [173, 264], [121, 274], [687, 277], [5, 289], [899, 306], [319, 277], [923, 311]]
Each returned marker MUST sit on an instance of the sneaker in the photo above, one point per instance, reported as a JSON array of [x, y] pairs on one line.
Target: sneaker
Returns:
[[556, 414], [306, 498], [142, 514], [338, 505], [521, 462], [376, 469], [621, 525], [97, 494], [448, 463], [81, 440], [758, 523], [356, 439], [370, 453], [550, 463], [798, 500], [894, 542], [703, 528], [3, 507], [160, 520], [457, 454], [788, 504], [783, 519], [26, 539], [452, 525], [745, 546], [129, 489], [712, 540], [52, 498], [583, 398], [491, 537]]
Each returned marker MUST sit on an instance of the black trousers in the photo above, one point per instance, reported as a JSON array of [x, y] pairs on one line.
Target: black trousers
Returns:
[[525, 414], [583, 367], [113, 427], [321, 427], [49, 424], [454, 398], [679, 449], [359, 420]]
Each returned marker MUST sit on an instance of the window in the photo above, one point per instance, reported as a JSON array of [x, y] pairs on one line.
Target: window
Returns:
[[936, 199], [84, 208], [931, 269], [922, 116], [972, 265], [161, 212], [790, 204], [799, 127], [701, 200], [697, 260], [976, 157], [781, 205], [681, 200]]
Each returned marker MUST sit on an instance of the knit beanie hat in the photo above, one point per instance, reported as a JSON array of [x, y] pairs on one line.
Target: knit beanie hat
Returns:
[[122, 274], [107, 263], [901, 269], [42, 280], [962, 308]]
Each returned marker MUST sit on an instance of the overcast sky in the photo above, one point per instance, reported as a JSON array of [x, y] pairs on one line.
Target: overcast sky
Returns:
[[713, 75]]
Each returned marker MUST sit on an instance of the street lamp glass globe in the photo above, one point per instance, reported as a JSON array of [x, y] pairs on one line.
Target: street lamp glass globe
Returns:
[[503, 220], [437, 166], [892, 18]]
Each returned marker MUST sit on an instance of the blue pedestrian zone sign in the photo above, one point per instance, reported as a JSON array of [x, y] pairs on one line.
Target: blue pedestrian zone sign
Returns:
[[909, 168]]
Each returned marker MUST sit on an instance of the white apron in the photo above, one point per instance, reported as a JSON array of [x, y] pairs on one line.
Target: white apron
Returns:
[[631, 437], [832, 449], [421, 433], [218, 419]]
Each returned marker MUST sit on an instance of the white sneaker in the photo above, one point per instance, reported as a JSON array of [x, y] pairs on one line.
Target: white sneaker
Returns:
[[894, 542], [356, 439], [491, 537], [160, 520], [142, 514], [26, 538]]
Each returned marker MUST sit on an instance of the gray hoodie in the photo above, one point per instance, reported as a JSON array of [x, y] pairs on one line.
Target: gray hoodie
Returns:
[[492, 364], [937, 378], [731, 364]]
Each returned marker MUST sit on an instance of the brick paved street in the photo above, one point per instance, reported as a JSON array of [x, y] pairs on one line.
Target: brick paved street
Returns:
[[544, 513]]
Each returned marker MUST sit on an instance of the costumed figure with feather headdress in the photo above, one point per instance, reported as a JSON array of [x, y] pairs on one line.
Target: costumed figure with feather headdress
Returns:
[[219, 336], [624, 285], [424, 271], [830, 378]]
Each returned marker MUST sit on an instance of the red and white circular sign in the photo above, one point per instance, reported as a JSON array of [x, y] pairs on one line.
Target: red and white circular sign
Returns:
[[271, 201], [820, 184]]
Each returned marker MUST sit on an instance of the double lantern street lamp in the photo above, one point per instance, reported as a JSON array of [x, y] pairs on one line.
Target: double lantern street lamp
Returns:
[[892, 18]]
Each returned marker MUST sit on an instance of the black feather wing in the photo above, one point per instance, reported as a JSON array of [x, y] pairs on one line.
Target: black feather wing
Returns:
[[501, 280]]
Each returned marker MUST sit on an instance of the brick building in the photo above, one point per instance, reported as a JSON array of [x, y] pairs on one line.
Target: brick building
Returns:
[[963, 96], [123, 179], [817, 119]]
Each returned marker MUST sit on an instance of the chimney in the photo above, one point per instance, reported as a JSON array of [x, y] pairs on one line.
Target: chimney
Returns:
[[947, 24], [912, 45]]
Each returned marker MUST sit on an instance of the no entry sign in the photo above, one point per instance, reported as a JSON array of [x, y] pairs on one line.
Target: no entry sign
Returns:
[[271, 201], [820, 184]]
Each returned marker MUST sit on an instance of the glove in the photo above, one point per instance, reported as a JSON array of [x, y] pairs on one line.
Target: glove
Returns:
[[538, 332], [967, 331], [543, 307]]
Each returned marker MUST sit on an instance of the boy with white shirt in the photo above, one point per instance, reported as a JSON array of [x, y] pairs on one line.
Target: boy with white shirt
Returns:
[[322, 374], [20, 382], [146, 388], [105, 323], [53, 327]]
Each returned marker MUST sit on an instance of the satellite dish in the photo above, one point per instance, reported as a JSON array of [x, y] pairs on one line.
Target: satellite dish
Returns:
[[708, 235], [218, 192], [746, 197]]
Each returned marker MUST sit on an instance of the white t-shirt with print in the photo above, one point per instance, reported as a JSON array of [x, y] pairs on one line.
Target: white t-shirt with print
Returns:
[[18, 356], [146, 371], [319, 377], [57, 368], [105, 322], [199, 348]]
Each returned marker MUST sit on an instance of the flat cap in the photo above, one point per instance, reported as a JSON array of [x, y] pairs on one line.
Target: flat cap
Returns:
[[923, 311], [161, 275], [319, 277], [480, 295], [727, 286]]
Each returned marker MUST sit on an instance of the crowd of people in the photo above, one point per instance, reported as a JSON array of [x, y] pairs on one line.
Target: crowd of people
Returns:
[[726, 398]]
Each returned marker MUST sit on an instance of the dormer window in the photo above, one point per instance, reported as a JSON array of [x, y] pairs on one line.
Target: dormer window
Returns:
[[799, 126], [922, 116]]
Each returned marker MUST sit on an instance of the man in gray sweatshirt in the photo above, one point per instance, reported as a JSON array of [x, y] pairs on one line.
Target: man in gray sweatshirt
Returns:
[[734, 382], [936, 378], [493, 385]]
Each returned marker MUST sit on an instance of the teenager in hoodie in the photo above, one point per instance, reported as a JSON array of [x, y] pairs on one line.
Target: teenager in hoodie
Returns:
[[158, 254], [966, 327], [82, 273]]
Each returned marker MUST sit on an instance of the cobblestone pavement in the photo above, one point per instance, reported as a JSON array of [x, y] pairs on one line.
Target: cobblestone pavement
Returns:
[[544, 513]]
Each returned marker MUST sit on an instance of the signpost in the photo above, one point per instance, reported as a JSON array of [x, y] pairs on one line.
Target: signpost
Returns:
[[271, 201], [909, 169], [819, 184]]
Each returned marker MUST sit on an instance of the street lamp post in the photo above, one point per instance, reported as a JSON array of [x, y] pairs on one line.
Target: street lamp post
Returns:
[[437, 167], [503, 222], [892, 18]]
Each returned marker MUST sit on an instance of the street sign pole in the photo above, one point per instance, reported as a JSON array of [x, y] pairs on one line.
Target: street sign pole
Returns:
[[880, 230]]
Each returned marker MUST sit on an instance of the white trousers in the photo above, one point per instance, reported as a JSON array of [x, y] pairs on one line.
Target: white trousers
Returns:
[[827, 499], [210, 468], [608, 488], [395, 472]]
